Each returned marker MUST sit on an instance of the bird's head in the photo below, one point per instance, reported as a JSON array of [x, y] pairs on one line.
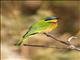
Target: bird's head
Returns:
[[52, 19]]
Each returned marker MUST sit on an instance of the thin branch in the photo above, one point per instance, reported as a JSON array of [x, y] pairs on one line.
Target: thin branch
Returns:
[[78, 49], [43, 46], [48, 35], [70, 46], [70, 39]]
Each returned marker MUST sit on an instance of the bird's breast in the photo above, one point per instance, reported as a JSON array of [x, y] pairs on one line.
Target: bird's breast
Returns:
[[51, 27]]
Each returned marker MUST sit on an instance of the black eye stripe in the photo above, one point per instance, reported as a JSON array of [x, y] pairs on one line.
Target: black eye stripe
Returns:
[[48, 19], [51, 18]]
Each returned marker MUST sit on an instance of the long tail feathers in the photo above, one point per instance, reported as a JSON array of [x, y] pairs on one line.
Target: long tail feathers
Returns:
[[22, 41], [19, 42]]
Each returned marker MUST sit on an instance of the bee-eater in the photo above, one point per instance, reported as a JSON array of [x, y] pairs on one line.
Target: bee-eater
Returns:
[[43, 26]]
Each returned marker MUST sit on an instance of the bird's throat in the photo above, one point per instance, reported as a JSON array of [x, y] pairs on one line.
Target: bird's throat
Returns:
[[53, 22]]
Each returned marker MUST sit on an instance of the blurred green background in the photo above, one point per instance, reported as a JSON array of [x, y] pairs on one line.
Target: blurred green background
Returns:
[[17, 17]]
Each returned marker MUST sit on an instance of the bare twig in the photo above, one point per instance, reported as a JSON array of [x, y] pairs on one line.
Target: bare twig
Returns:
[[48, 35], [69, 39], [43, 46], [70, 46]]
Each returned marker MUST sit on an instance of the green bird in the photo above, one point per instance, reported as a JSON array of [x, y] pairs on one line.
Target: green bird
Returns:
[[43, 26]]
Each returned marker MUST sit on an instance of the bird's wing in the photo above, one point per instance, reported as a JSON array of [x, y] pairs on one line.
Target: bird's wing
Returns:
[[37, 27], [27, 32]]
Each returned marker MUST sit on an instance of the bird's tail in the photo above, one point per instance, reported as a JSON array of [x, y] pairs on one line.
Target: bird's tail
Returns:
[[21, 41]]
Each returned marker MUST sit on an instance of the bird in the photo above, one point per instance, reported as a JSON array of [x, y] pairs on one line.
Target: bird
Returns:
[[44, 25]]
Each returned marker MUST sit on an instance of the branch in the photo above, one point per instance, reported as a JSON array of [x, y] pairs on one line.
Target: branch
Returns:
[[48, 35], [70, 46], [42, 46]]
